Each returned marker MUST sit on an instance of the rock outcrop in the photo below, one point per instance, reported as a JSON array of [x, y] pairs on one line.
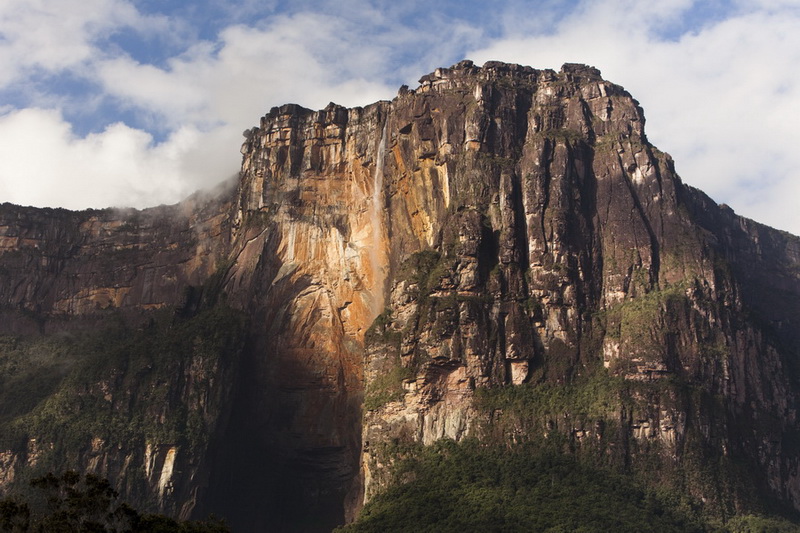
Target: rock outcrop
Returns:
[[562, 240], [383, 277]]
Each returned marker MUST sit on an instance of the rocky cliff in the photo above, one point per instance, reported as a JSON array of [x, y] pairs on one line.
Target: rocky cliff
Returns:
[[498, 254]]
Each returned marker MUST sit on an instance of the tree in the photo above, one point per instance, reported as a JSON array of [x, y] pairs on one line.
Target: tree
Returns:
[[14, 516], [71, 503]]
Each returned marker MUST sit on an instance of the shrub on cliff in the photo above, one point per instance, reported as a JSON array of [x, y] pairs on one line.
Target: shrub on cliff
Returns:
[[71, 503], [474, 487]]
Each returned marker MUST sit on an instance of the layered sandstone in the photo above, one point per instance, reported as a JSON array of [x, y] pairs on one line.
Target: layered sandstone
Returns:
[[496, 227]]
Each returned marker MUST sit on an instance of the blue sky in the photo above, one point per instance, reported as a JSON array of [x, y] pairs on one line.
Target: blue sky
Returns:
[[141, 102]]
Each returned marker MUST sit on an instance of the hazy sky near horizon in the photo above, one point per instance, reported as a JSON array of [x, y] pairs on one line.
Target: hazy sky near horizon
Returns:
[[142, 102]]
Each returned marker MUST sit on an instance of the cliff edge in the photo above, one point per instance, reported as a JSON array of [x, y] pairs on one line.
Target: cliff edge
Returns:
[[498, 254]]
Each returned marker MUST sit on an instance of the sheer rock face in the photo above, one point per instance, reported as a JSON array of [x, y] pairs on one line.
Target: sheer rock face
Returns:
[[563, 238], [61, 263], [65, 275], [506, 225], [309, 266]]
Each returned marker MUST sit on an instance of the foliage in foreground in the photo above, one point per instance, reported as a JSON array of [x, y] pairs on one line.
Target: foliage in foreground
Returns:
[[470, 487], [71, 503], [127, 382]]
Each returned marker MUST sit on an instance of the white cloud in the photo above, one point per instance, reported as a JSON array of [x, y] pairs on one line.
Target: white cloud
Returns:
[[55, 35], [205, 97], [720, 99], [200, 100], [305, 58], [41, 158]]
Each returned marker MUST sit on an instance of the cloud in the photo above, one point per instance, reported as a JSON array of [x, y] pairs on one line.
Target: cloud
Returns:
[[55, 35], [202, 99], [719, 98], [717, 80], [41, 158], [304, 58], [197, 103]]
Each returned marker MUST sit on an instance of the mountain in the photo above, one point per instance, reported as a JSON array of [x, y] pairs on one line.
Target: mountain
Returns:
[[498, 257]]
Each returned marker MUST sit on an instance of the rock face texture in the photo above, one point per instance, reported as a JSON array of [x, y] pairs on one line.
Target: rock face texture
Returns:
[[552, 239], [385, 277]]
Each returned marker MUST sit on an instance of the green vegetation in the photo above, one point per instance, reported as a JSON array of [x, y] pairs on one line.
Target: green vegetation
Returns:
[[71, 503], [30, 370], [563, 135], [615, 141], [211, 291], [761, 524], [597, 396], [143, 362], [387, 386], [423, 269], [497, 161], [121, 385], [591, 418], [644, 320], [257, 219], [475, 486], [638, 315], [471, 487], [381, 332]]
